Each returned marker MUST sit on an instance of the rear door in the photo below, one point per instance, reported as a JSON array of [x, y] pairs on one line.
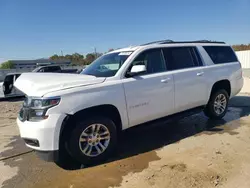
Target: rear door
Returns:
[[186, 66]]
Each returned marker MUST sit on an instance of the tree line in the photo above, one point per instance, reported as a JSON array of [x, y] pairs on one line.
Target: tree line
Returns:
[[79, 59], [7, 65], [241, 47], [76, 58]]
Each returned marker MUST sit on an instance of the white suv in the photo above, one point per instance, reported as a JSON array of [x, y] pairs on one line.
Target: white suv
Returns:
[[81, 115]]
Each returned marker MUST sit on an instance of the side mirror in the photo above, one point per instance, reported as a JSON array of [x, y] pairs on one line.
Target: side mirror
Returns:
[[136, 70]]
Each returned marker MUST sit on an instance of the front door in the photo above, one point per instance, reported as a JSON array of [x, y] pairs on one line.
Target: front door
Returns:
[[151, 95]]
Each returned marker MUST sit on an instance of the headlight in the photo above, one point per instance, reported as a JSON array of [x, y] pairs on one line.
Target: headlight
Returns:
[[44, 102], [38, 107]]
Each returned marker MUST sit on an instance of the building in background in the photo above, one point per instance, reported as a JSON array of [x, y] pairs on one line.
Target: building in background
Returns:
[[31, 64], [244, 58]]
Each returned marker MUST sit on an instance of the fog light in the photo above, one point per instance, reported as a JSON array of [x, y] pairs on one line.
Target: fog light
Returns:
[[31, 142]]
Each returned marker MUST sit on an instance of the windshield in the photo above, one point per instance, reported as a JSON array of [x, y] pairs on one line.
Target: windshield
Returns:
[[36, 69], [107, 65]]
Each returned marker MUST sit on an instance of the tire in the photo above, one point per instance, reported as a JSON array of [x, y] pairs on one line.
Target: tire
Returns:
[[211, 111], [80, 150]]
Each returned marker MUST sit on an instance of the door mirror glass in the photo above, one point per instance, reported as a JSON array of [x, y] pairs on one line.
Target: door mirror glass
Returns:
[[136, 70]]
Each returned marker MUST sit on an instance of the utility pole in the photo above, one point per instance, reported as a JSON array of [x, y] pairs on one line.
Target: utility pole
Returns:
[[95, 52]]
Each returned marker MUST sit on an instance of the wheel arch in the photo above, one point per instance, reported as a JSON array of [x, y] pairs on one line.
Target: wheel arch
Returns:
[[222, 84], [106, 110]]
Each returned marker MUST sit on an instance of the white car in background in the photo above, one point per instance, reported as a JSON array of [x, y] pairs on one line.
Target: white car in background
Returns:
[[7, 88]]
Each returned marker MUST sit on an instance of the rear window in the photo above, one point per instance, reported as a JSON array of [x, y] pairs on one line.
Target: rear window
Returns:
[[221, 54]]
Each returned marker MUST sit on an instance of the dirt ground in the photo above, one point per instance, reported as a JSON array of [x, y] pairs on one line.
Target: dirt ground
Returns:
[[193, 152]]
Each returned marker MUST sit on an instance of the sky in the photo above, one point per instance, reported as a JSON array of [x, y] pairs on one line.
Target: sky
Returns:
[[31, 29]]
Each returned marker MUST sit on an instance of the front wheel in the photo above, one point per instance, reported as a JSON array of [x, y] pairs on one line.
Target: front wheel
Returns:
[[217, 105], [93, 140]]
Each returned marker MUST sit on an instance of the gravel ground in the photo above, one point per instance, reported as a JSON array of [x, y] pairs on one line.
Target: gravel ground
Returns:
[[193, 152]]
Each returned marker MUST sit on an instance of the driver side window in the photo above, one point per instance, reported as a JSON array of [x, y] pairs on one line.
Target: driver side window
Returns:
[[152, 59]]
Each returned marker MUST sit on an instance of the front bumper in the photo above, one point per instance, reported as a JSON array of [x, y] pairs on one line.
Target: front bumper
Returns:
[[45, 132]]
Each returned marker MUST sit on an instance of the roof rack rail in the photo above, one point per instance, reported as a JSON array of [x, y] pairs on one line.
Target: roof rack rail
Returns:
[[200, 41], [177, 42], [158, 42]]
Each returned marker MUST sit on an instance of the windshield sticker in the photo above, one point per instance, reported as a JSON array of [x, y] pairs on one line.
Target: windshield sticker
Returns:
[[125, 53]]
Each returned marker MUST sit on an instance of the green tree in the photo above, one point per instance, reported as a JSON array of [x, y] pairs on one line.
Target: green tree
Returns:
[[54, 57], [68, 57], [77, 59], [7, 65], [90, 58]]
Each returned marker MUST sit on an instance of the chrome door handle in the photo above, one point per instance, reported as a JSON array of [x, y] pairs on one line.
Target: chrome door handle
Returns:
[[165, 80], [200, 73]]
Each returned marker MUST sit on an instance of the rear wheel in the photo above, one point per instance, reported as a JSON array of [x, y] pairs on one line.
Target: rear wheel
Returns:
[[217, 104], [93, 140]]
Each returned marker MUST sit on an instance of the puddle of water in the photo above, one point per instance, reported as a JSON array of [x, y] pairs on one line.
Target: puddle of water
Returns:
[[105, 175], [6, 172], [16, 146], [229, 124], [38, 174]]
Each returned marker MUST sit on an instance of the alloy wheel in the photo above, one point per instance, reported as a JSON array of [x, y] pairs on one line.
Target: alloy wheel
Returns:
[[94, 140]]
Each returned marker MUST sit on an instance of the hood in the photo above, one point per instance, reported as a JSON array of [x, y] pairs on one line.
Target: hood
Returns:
[[38, 84]]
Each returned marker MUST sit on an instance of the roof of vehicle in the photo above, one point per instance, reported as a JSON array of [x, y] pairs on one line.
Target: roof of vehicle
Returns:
[[167, 43], [42, 66], [48, 66]]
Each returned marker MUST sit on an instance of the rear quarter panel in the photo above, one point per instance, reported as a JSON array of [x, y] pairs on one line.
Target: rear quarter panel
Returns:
[[228, 71], [216, 72]]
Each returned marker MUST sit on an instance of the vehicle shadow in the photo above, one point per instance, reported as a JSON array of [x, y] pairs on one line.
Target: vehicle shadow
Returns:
[[12, 99], [141, 139]]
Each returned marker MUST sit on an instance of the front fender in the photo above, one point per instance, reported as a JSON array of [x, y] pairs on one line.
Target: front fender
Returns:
[[74, 102]]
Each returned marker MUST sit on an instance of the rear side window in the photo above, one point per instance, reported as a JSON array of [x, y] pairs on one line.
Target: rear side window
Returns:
[[221, 54], [180, 58], [54, 69], [51, 69]]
